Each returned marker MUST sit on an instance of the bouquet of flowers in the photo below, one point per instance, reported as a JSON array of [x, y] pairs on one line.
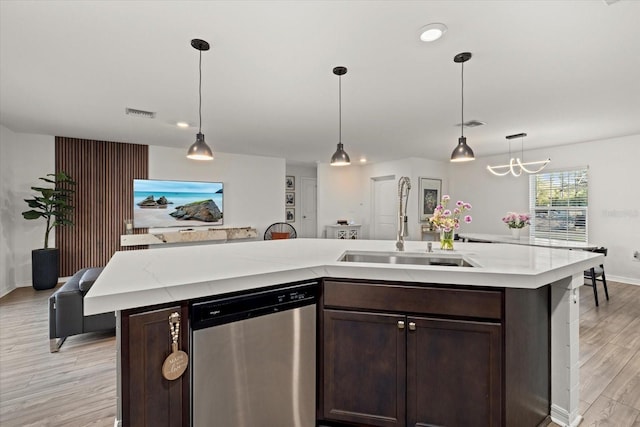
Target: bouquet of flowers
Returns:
[[516, 220], [447, 220]]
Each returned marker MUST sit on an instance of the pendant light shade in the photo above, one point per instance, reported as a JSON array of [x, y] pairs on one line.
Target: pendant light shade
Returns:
[[340, 157], [462, 152], [199, 150]]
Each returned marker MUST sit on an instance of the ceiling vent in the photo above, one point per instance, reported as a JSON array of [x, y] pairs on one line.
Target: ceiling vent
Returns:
[[472, 124], [140, 113]]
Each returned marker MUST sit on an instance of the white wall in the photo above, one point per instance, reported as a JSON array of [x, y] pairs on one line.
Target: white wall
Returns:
[[340, 195], [299, 171], [25, 157], [7, 272], [253, 185], [414, 168], [345, 192], [614, 195]]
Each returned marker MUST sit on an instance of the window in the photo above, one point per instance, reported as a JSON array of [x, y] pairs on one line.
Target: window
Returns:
[[558, 202]]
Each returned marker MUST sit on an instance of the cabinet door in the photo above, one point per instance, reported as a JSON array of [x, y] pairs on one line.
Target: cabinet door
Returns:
[[364, 368], [454, 374], [148, 399]]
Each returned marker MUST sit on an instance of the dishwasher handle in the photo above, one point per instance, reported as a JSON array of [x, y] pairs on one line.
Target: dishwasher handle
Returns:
[[239, 307]]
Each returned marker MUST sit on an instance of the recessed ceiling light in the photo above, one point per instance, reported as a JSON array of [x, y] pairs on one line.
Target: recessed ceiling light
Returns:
[[182, 124], [432, 32], [363, 160]]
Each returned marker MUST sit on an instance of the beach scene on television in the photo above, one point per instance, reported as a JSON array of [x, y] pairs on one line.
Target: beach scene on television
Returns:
[[159, 203]]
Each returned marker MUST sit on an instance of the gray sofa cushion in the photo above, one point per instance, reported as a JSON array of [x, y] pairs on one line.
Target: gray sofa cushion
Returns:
[[88, 278]]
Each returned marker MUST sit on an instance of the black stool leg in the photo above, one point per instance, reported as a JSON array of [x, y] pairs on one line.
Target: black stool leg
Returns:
[[604, 283], [593, 283]]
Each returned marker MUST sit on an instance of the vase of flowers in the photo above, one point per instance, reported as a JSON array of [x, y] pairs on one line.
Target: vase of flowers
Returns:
[[516, 222], [447, 220]]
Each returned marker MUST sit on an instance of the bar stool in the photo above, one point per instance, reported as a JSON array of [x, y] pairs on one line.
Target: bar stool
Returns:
[[597, 273]]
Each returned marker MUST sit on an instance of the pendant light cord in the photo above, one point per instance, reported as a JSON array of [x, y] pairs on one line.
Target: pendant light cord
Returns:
[[200, 93], [340, 109], [462, 96]]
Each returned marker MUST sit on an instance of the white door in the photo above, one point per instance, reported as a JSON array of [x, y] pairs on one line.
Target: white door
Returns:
[[385, 208], [308, 227]]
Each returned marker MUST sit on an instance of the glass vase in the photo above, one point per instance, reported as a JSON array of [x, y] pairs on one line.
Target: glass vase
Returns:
[[446, 240]]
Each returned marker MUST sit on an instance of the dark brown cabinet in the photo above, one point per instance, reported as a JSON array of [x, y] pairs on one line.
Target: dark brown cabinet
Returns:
[[453, 372], [364, 368], [148, 399], [400, 369]]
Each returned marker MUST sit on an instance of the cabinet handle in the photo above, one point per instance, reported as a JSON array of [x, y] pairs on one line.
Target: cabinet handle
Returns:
[[412, 326], [400, 324]]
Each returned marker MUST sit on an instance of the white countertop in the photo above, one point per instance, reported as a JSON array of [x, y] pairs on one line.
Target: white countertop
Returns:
[[154, 276]]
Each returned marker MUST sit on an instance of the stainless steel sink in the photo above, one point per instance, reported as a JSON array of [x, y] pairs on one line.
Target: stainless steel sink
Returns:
[[449, 260]]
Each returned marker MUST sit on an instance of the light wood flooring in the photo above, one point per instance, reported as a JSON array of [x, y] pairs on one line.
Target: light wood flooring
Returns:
[[77, 386]]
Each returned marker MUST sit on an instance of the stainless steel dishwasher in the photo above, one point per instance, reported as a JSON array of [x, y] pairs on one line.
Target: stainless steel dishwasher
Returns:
[[253, 359]]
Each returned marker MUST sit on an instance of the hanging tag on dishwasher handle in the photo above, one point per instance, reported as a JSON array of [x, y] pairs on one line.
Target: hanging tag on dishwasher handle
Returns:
[[176, 362]]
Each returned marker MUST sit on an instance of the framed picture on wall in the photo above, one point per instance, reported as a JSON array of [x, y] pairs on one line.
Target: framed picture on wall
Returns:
[[289, 198], [429, 197], [289, 182], [290, 214]]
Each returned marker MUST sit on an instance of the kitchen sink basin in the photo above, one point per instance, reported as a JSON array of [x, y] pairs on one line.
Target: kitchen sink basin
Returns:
[[449, 260]]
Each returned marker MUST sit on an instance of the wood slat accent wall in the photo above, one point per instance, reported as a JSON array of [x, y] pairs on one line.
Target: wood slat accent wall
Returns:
[[104, 173]]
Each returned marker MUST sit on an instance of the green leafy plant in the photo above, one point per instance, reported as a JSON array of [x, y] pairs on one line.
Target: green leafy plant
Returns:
[[52, 204]]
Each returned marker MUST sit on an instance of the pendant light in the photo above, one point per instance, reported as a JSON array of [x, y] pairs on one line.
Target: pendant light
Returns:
[[517, 166], [340, 157], [462, 153], [199, 150]]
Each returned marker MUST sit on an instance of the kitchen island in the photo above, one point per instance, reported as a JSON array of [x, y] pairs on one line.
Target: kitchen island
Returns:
[[136, 282]]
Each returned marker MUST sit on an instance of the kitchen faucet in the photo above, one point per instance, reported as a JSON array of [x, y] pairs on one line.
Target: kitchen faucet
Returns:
[[404, 185]]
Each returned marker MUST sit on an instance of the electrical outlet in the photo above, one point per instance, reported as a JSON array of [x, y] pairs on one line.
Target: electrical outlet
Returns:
[[636, 256]]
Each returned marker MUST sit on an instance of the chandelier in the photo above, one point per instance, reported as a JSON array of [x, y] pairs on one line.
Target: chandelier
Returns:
[[517, 166]]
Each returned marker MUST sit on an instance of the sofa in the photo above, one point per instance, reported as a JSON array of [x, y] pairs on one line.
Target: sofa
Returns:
[[66, 310]]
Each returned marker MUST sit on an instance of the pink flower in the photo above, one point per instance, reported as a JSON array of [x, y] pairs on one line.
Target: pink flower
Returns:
[[516, 220], [449, 219], [468, 219]]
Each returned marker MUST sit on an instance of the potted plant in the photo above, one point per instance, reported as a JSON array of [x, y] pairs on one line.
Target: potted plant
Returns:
[[54, 205]]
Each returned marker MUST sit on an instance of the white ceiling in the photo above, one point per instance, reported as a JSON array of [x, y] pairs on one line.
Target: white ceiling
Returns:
[[561, 71]]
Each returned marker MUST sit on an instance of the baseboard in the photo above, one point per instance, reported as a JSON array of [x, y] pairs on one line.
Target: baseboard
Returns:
[[626, 280], [561, 417], [6, 291]]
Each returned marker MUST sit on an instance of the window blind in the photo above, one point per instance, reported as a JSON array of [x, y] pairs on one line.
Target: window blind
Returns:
[[558, 202]]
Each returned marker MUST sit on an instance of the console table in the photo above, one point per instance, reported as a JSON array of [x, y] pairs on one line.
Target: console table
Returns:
[[428, 234], [350, 231]]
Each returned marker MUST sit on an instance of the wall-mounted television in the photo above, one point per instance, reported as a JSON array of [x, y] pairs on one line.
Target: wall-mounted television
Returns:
[[159, 203]]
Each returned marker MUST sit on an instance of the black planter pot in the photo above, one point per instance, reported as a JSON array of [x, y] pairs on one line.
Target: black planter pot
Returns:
[[44, 268]]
